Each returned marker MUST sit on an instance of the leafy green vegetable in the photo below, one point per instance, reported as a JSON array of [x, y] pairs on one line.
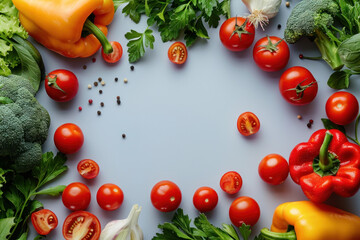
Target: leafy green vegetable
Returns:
[[136, 47]]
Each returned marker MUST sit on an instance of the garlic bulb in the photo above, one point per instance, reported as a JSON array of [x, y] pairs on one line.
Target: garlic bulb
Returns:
[[125, 229], [261, 11]]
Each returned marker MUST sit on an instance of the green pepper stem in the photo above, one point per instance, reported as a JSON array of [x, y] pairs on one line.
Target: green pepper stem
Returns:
[[91, 27], [269, 235], [325, 162]]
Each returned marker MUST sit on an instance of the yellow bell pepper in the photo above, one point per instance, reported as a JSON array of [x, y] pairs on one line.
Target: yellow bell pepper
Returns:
[[312, 221], [59, 24]]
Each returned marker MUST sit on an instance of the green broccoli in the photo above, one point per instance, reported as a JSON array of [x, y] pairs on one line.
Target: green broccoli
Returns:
[[315, 19], [24, 124]]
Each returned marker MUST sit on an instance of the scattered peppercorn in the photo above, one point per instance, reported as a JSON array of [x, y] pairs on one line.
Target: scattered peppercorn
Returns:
[[89, 86], [93, 60], [99, 113], [102, 104], [311, 121], [84, 67], [287, 4], [125, 80], [116, 79], [99, 79], [308, 125], [299, 116], [118, 97], [301, 56], [80, 109], [100, 91], [123, 135], [95, 84], [132, 68], [103, 83], [90, 101], [118, 102], [279, 26]]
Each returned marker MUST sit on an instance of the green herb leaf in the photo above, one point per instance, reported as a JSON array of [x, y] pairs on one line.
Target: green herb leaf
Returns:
[[174, 229], [207, 6], [330, 125], [211, 231], [136, 48], [229, 229], [5, 225], [133, 9], [35, 206], [245, 231], [53, 191], [340, 79]]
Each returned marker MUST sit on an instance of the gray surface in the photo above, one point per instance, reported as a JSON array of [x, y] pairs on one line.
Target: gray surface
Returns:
[[180, 123]]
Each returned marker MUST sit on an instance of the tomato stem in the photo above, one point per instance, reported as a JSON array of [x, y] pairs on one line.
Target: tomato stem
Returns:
[[52, 82], [270, 46], [239, 29], [299, 89]]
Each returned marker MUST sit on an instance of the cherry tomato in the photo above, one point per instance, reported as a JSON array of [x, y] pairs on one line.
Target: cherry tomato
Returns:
[[76, 196], [273, 169], [44, 221], [237, 34], [177, 53], [342, 108], [61, 85], [109, 197], [115, 55], [231, 182], [165, 196], [205, 199], [81, 225], [298, 86], [271, 53], [88, 168], [248, 123], [68, 138], [244, 210]]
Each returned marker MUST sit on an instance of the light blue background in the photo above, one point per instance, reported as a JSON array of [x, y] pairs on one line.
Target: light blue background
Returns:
[[180, 124]]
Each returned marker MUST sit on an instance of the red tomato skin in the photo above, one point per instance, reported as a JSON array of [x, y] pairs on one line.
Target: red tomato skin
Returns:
[[234, 43], [88, 168], [67, 81], [271, 61], [44, 221], [116, 55], [76, 196], [244, 210], [110, 197], [205, 199], [165, 196], [273, 169], [291, 78], [342, 108], [76, 219], [231, 182], [68, 138], [248, 124], [177, 53]]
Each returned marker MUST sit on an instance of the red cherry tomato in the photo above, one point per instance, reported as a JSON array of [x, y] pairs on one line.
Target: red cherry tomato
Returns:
[[110, 197], [88, 168], [271, 53], [116, 54], [298, 86], [165, 196], [177, 53], [76, 196], [248, 123], [231, 182], [244, 210], [232, 29], [205, 199], [342, 108], [81, 225], [68, 138], [44, 221], [273, 169], [61, 85]]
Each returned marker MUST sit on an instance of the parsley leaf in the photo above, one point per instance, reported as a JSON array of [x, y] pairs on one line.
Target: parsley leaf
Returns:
[[136, 48], [245, 231]]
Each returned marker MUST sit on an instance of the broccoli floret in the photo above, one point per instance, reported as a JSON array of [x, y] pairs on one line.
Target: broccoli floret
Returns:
[[314, 19]]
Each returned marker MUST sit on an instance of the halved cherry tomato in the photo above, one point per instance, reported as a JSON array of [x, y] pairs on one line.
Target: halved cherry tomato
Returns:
[[110, 197], [231, 182], [76, 196], [44, 221], [115, 55], [61, 85], [244, 210], [177, 53], [273, 169], [342, 108], [165, 196], [205, 199], [248, 123], [88, 168], [81, 225], [68, 138]]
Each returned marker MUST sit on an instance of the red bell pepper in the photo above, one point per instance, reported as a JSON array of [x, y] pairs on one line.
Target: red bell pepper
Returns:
[[328, 163]]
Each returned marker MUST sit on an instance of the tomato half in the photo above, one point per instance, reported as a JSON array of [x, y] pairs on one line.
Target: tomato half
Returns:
[[81, 225], [68, 138], [231, 182], [205, 199], [110, 197], [165, 196], [44, 221], [177, 53], [244, 210], [61, 85], [271, 53], [342, 108], [248, 123], [273, 169], [76, 196], [116, 54], [237, 34], [298, 86], [88, 168]]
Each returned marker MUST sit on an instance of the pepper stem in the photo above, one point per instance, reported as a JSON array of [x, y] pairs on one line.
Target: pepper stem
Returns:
[[325, 162], [92, 28], [269, 235]]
